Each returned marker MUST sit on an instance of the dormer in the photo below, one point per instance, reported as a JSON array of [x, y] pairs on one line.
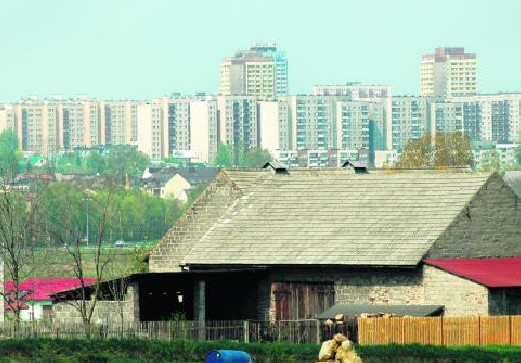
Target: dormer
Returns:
[[276, 168], [355, 167]]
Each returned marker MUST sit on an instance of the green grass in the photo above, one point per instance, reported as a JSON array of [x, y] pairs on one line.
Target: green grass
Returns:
[[57, 262], [136, 350]]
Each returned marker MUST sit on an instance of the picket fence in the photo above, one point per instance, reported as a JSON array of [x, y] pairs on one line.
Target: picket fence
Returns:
[[472, 330], [294, 331]]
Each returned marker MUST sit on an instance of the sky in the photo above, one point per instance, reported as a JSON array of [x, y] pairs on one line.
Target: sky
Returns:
[[142, 49]]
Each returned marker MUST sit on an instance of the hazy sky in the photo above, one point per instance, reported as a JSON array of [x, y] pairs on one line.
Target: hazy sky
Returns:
[[144, 49]]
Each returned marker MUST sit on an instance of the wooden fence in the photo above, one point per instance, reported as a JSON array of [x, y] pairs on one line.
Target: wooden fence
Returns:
[[294, 331], [473, 330]]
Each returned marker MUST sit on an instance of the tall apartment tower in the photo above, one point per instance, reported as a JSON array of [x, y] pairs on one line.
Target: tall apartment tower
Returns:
[[261, 71], [448, 72]]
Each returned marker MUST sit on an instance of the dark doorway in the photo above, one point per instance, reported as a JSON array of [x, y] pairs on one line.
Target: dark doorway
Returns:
[[165, 297]]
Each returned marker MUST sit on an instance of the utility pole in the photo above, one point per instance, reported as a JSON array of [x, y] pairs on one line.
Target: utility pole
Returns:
[[87, 229], [120, 227]]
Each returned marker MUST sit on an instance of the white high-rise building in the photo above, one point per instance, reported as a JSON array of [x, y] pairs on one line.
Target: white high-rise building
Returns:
[[448, 72], [261, 71]]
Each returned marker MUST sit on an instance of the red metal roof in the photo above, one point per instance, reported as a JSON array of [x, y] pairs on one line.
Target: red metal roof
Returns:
[[490, 272], [40, 289]]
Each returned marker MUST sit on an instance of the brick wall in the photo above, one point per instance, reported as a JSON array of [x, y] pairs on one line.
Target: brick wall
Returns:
[[215, 200], [489, 226], [460, 296], [107, 312]]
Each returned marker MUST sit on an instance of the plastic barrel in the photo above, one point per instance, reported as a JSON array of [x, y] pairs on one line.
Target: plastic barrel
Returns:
[[228, 356]]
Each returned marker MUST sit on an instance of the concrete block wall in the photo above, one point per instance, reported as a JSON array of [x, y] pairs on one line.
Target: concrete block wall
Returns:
[[460, 296], [177, 242], [489, 226], [107, 312]]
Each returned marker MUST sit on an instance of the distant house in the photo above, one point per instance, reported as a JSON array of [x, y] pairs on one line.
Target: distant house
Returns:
[[36, 301], [175, 182], [289, 245]]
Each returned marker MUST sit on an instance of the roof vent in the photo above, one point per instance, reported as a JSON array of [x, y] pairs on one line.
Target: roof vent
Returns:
[[276, 168], [355, 167]]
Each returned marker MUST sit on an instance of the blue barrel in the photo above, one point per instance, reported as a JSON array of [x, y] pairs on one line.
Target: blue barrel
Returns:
[[228, 356]]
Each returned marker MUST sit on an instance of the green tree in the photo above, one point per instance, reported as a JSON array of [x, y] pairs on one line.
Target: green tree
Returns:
[[95, 163], [257, 157], [444, 150], [224, 155], [518, 155], [10, 155], [125, 160]]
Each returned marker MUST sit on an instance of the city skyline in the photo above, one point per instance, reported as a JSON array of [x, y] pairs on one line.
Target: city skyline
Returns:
[[139, 50]]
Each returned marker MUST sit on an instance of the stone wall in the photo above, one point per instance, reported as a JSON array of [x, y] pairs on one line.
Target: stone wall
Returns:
[[489, 226], [384, 286], [107, 312], [177, 242], [460, 296], [390, 287]]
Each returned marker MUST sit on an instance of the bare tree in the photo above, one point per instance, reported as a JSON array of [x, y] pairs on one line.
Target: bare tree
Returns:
[[20, 227], [68, 230]]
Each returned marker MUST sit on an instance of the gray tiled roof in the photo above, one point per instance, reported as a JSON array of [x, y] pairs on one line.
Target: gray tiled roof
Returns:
[[333, 217], [513, 179]]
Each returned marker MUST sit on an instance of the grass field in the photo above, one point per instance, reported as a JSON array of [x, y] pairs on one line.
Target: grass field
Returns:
[[57, 262]]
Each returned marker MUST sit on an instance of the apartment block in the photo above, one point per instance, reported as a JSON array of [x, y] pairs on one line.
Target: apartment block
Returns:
[[185, 127], [79, 124], [354, 90], [2, 118], [261, 71], [327, 130], [238, 123], [410, 120], [118, 122], [495, 119], [36, 122], [448, 72], [499, 155]]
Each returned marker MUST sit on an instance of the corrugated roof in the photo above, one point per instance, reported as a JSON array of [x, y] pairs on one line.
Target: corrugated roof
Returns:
[[333, 217], [490, 272], [40, 289], [351, 310]]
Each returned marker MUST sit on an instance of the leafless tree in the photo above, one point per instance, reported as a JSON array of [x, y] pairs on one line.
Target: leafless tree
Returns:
[[69, 231], [20, 227]]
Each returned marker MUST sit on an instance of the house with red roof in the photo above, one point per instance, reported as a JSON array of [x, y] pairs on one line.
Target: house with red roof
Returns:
[[37, 295]]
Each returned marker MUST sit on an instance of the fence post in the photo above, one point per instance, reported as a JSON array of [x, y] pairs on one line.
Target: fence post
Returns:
[[403, 330], [442, 340], [246, 331], [318, 336], [479, 331], [510, 329]]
